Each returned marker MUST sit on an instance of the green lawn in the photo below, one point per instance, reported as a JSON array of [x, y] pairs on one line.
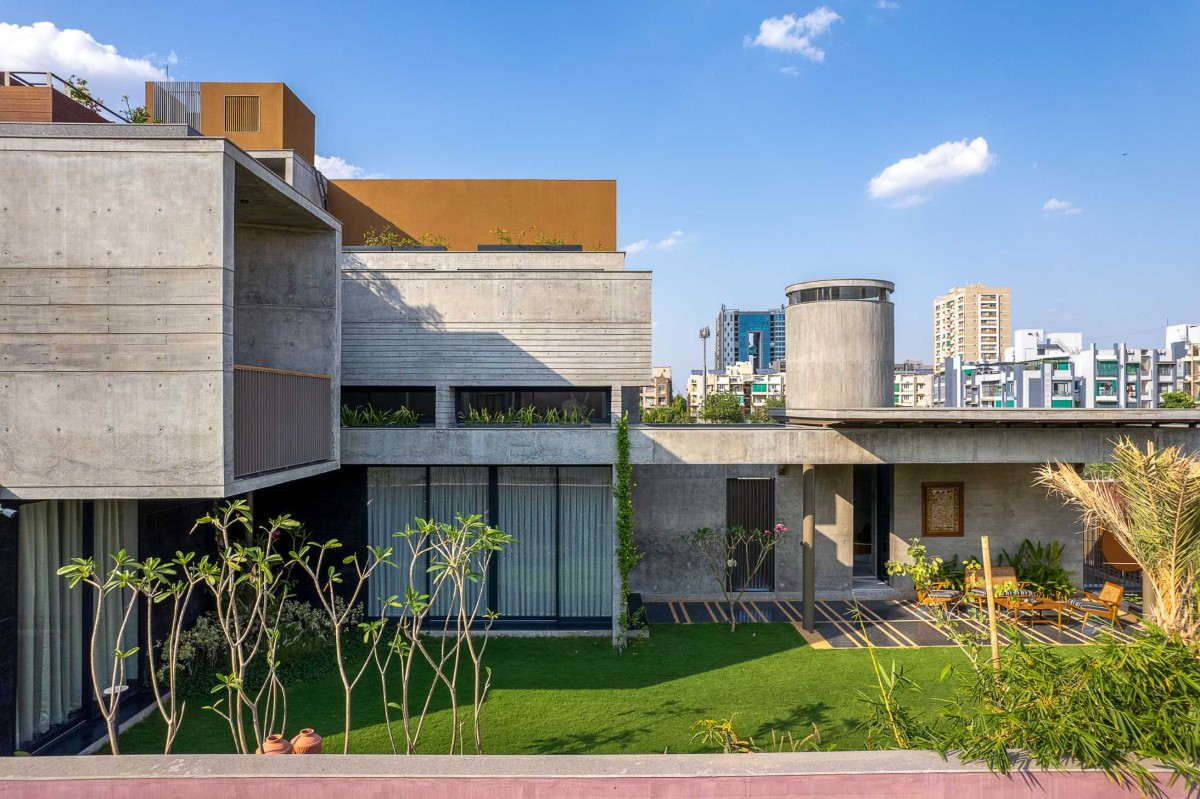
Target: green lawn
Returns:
[[577, 695]]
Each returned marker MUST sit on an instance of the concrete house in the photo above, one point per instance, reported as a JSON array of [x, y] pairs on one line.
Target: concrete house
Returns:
[[185, 307]]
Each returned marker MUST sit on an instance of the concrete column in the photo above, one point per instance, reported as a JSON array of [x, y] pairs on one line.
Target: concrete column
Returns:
[[444, 413], [834, 544], [809, 535]]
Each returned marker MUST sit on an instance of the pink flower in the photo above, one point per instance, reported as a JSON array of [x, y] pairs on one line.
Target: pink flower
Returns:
[[779, 528]]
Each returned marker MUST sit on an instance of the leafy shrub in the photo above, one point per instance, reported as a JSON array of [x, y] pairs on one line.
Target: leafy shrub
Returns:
[[722, 406], [369, 416], [1041, 565], [306, 651], [526, 416], [389, 237], [1104, 707]]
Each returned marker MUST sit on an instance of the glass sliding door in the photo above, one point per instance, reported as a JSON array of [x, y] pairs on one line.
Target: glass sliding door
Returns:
[[561, 565], [526, 578], [586, 549], [457, 491], [115, 528], [50, 640], [396, 497]]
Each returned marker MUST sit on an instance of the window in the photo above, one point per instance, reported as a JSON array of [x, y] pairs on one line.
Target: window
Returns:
[[594, 403], [829, 293], [391, 398], [1107, 368], [241, 113]]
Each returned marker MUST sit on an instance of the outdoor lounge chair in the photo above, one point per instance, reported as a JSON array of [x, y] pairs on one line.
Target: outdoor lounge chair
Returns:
[[1004, 583], [1106, 604], [939, 593]]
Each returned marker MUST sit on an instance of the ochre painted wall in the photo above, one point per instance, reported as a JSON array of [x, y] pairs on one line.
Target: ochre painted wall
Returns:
[[464, 211], [285, 122]]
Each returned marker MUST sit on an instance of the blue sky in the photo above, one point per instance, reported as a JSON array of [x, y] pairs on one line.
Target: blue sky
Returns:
[[753, 161]]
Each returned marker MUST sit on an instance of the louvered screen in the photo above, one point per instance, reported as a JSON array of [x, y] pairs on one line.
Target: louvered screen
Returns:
[[241, 113]]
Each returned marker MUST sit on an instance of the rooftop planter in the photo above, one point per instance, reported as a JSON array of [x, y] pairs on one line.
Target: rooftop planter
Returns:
[[401, 248], [530, 248]]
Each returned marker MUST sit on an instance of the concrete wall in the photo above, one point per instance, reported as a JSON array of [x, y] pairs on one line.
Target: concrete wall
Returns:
[[505, 319], [113, 332], [670, 501], [999, 501], [285, 299], [117, 308], [465, 211], [839, 354]]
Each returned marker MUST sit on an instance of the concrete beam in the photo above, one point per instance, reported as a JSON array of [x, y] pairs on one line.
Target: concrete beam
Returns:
[[494, 446], [754, 444]]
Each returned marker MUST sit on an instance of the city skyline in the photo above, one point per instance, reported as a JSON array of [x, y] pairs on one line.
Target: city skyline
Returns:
[[751, 154]]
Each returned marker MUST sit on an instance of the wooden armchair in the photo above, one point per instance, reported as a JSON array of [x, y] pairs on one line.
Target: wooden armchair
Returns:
[[1004, 583], [1106, 604], [937, 594]]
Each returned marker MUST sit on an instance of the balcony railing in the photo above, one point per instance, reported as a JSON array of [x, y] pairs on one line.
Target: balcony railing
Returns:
[[281, 419]]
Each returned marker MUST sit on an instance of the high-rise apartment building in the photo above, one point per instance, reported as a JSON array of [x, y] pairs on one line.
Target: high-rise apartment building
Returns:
[[754, 336], [658, 393], [972, 323]]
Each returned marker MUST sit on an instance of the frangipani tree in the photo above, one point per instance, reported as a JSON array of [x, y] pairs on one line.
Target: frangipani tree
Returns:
[[1155, 515]]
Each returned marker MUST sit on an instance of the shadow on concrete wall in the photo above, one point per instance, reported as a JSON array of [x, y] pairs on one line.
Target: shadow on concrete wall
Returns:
[[424, 351]]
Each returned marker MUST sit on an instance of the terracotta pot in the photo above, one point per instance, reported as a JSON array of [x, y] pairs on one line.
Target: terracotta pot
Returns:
[[275, 745], [306, 742]]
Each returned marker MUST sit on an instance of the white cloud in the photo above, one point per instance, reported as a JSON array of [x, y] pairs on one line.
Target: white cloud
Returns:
[[888, 5], [669, 243], [792, 34], [949, 161], [44, 47], [1061, 207], [338, 168], [791, 72]]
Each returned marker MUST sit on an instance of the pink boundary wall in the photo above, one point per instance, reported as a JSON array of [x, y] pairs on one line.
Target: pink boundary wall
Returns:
[[896, 775]]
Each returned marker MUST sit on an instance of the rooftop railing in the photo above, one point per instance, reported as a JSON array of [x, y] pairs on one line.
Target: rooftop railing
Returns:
[[61, 85]]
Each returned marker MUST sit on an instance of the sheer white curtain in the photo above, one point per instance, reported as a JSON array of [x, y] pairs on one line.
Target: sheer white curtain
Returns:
[[395, 497], [526, 580], [115, 527], [586, 541], [50, 617], [457, 491]]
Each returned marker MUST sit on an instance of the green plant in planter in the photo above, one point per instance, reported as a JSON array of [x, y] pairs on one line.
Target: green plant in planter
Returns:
[[1040, 565], [368, 416], [502, 235], [922, 570], [527, 416]]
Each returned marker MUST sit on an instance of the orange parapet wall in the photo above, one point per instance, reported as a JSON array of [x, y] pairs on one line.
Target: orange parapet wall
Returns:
[[466, 211]]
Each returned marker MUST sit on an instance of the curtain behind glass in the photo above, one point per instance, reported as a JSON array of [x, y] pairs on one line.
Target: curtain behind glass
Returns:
[[115, 527], [526, 569], [49, 618], [586, 543], [395, 498], [457, 491]]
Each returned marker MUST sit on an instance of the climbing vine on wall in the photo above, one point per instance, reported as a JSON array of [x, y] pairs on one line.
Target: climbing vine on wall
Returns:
[[628, 554]]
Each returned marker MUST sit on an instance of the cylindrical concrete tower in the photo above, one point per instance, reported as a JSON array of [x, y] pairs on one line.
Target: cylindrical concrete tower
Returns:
[[840, 344]]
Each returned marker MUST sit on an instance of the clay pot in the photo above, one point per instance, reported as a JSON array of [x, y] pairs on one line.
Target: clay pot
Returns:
[[306, 742], [275, 745]]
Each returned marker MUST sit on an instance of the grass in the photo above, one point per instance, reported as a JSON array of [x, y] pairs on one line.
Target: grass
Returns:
[[577, 695]]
